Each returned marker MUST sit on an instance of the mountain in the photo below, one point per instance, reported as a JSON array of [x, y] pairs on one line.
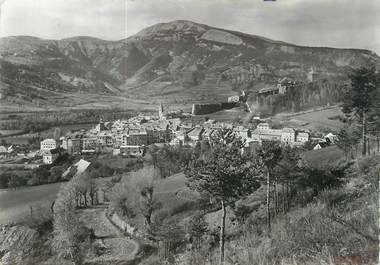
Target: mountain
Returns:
[[42, 72], [180, 62]]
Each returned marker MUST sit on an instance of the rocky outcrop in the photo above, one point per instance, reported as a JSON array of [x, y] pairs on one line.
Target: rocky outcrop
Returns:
[[15, 243], [222, 37]]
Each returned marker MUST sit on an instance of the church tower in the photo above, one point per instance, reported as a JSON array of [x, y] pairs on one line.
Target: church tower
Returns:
[[310, 75], [161, 112]]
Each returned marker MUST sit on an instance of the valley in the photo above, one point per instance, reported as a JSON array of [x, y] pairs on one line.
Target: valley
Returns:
[[187, 144]]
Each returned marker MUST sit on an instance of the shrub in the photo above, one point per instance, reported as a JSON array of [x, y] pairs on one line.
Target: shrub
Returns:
[[366, 164]]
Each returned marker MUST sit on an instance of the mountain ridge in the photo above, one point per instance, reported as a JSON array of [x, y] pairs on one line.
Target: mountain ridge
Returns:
[[179, 62]]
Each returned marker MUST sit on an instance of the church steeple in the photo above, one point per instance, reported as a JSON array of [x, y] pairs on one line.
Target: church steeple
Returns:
[[161, 111]]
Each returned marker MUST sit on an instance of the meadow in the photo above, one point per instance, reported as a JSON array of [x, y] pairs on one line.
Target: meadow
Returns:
[[15, 203], [48, 133], [321, 119]]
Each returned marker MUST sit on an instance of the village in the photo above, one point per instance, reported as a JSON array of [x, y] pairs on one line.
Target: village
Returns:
[[131, 137]]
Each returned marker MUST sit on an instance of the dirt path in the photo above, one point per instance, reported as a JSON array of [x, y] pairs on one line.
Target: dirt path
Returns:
[[118, 247]]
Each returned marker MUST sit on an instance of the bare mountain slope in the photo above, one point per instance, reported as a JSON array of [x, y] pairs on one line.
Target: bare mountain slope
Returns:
[[179, 62]]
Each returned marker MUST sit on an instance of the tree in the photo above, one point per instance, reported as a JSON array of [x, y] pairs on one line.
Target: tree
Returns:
[[224, 175], [144, 182], [15, 181], [57, 133], [41, 174], [347, 139], [196, 228], [288, 172], [360, 98], [122, 199], [71, 237], [319, 179], [55, 174], [269, 154]]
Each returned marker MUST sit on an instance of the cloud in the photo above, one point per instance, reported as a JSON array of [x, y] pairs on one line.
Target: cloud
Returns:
[[64, 18]]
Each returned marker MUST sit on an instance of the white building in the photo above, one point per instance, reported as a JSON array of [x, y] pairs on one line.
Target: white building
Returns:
[[49, 156], [320, 145], [242, 132], [263, 126], [331, 137], [302, 137], [287, 135], [233, 99], [265, 133], [48, 144]]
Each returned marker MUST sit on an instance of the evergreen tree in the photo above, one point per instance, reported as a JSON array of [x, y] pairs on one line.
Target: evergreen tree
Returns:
[[269, 154], [224, 175], [360, 98], [347, 139]]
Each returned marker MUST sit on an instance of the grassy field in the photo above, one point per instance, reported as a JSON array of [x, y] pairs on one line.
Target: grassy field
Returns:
[[9, 132], [325, 157], [49, 133], [14, 204], [314, 120]]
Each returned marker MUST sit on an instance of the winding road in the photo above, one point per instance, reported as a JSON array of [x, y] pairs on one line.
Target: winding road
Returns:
[[118, 247]]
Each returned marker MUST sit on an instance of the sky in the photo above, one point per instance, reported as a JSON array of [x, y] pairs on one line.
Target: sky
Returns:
[[335, 23], [57, 19]]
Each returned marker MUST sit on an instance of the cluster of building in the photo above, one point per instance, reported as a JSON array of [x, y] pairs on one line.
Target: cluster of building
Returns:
[[49, 151], [287, 136], [283, 85], [131, 137]]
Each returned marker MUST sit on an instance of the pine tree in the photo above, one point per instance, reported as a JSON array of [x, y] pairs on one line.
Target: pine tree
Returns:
[[269, 154], [224, 175], [360, 98]]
